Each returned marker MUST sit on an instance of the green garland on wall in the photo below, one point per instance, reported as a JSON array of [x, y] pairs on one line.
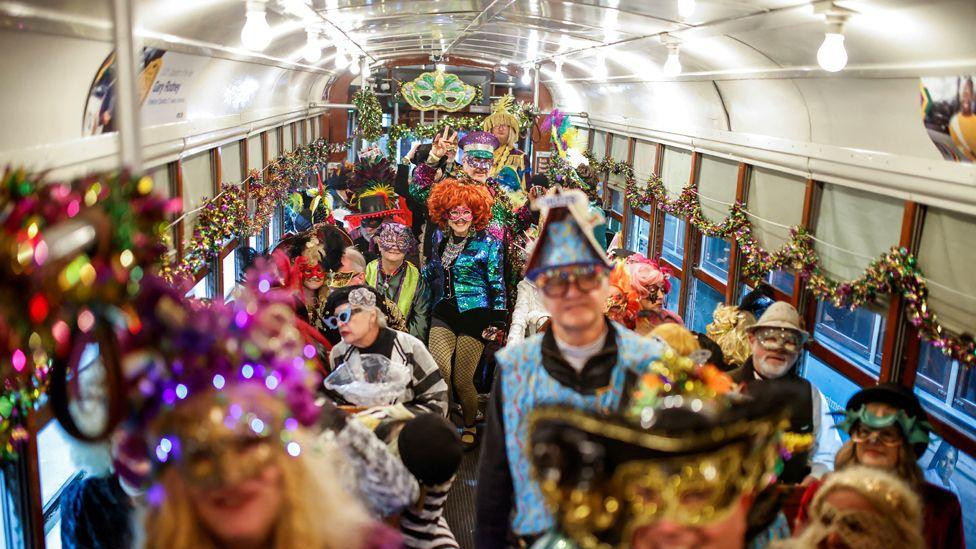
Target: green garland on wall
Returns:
[[370, 114], [896, 272]]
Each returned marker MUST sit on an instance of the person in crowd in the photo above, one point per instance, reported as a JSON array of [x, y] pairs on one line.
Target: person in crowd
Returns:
[[431, 449], [416, 156], [398, 279], [355, 312], [889, 431], [375, 203], [864, 508], [729, 324], [352, 269], [777, 340], [583, 359], [221, 402], [504, 125], [530, 315], [962, 125], [639, 287], [681, 465], [465, 274]]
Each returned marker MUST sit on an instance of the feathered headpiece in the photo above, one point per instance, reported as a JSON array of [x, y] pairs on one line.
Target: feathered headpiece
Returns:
[[503, 114], [372, 186]]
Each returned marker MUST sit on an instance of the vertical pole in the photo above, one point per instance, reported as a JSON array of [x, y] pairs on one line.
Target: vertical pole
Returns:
[[127, 107]]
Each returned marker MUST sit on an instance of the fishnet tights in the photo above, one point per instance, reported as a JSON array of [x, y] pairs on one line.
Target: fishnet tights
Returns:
[[465, 353]]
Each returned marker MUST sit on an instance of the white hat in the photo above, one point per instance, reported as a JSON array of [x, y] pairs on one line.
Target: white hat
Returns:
[[780, 315]]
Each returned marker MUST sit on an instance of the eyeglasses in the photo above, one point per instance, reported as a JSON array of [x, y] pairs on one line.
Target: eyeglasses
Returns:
[[889, 436], [458, 214], [557, 284], [341, 318], [774, 339]]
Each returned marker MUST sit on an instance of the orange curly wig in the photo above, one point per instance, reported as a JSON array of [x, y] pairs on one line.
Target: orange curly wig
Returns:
[[451, 193]]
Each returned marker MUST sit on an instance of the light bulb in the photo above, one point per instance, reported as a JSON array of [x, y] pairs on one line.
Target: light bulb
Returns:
[[312, 51], [672, 67], [832, 56], [256, 34], [686, 8], [441, 67], [340, 60], [526, 77]]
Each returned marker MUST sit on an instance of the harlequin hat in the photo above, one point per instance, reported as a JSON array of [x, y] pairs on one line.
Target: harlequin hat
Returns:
[[566, 238], [479, 144]]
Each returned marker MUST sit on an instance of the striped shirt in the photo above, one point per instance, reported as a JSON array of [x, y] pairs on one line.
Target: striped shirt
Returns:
[[423, 525]]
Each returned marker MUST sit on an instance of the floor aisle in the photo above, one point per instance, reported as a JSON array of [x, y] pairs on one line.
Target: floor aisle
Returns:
[[460, 502]]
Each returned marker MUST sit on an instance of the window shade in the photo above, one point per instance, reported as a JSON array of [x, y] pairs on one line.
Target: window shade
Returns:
[[197, 187], [230, 163], [644, 156], [273, 150], [288, 142], [778, 198], [618, 148], [947, 258], [865, 225], [582, 137], [675, 170], [599, 148], [254, 159], [160, 177], [717, 180]]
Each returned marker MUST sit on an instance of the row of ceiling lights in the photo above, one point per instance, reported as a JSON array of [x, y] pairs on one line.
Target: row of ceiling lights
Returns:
[[256, 36]]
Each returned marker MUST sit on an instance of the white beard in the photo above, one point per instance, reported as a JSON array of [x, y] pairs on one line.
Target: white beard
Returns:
[[774, 371]]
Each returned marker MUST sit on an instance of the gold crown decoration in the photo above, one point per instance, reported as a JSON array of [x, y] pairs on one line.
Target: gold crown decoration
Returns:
[[502, 114]]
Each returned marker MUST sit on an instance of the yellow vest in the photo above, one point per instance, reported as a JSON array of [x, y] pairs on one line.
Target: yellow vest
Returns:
[[408, 289]]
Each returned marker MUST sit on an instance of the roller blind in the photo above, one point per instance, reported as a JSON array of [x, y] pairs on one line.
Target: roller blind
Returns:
[[717, 178], [777, 198], [582, 137], [310, 130], [273, 150], [947, 258], [160, 177], [230, 163], [197, 187], [288, 142], [675, 170], [861, 224], [618, 151], [644, 154], [599, 148], [254, 159]]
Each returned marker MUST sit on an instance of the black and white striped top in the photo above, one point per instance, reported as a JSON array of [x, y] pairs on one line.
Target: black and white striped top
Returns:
[[423, 526]]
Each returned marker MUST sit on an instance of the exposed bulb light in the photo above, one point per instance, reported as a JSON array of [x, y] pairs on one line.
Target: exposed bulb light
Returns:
[[256, 33], [526, 76], [832, 55], [686, 8], [672, 67], [312, 51]]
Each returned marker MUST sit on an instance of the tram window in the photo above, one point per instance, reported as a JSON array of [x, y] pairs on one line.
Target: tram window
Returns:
[[946, 256], [599, 148], [198, 186], [644, 157], [613, 227], [273, 150], [56, 467], [202, 289], [934, 372], [617, 201], [228, 272], [854, 335], [774, 203], [673, 248], [782, 281], [230, 163], [945, 466], [288, 144], [5, 529], [836, 388], [703, 300], [966, 395], [582, 136], [638, 235], [673, 299], [853, 227], [947, 388], [715, 257]]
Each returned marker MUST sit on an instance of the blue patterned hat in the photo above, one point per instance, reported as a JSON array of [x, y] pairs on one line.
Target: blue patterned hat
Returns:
[[566, 237]]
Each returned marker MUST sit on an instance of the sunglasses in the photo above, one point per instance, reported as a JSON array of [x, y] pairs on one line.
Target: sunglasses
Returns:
[[460, 215], [341, 318], [778, 340], [889, 436], [557, 284]]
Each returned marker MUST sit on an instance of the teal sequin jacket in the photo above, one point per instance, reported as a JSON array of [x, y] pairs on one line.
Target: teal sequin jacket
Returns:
[[476, 278]]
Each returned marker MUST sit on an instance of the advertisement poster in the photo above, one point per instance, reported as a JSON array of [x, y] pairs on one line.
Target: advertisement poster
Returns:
[[162, 90], [948, 105]]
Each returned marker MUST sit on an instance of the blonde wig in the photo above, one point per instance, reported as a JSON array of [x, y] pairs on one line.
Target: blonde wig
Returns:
[[728, 330], [677, 337]]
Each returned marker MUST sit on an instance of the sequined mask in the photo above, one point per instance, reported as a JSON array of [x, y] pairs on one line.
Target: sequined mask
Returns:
[[438, 90]]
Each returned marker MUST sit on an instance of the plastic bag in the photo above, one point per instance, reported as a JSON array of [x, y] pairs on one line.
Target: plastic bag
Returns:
[[369, 380]]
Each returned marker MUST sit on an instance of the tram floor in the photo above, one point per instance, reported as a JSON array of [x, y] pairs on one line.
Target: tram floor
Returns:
[[459, 509]]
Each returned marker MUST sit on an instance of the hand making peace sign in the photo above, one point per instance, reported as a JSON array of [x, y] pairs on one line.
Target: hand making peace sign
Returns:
[[444, 142]]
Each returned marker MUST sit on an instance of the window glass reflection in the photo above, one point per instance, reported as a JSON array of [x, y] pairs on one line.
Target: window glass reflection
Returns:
[[782, 281], [703, 302], [672, 300], [673, 247], [854, 335], [638, 235], [715, 257]]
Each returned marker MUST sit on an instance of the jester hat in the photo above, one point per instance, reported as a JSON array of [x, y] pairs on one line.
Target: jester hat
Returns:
[[566, 238]]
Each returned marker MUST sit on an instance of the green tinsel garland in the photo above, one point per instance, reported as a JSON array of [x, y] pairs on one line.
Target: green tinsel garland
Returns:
[[370, 114]]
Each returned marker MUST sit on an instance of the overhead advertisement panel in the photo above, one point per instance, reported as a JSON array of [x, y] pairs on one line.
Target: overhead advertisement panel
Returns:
[[163, 89], [949, 111]]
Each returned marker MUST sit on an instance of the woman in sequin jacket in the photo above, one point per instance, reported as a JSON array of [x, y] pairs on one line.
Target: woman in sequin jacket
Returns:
[[466, 276]]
